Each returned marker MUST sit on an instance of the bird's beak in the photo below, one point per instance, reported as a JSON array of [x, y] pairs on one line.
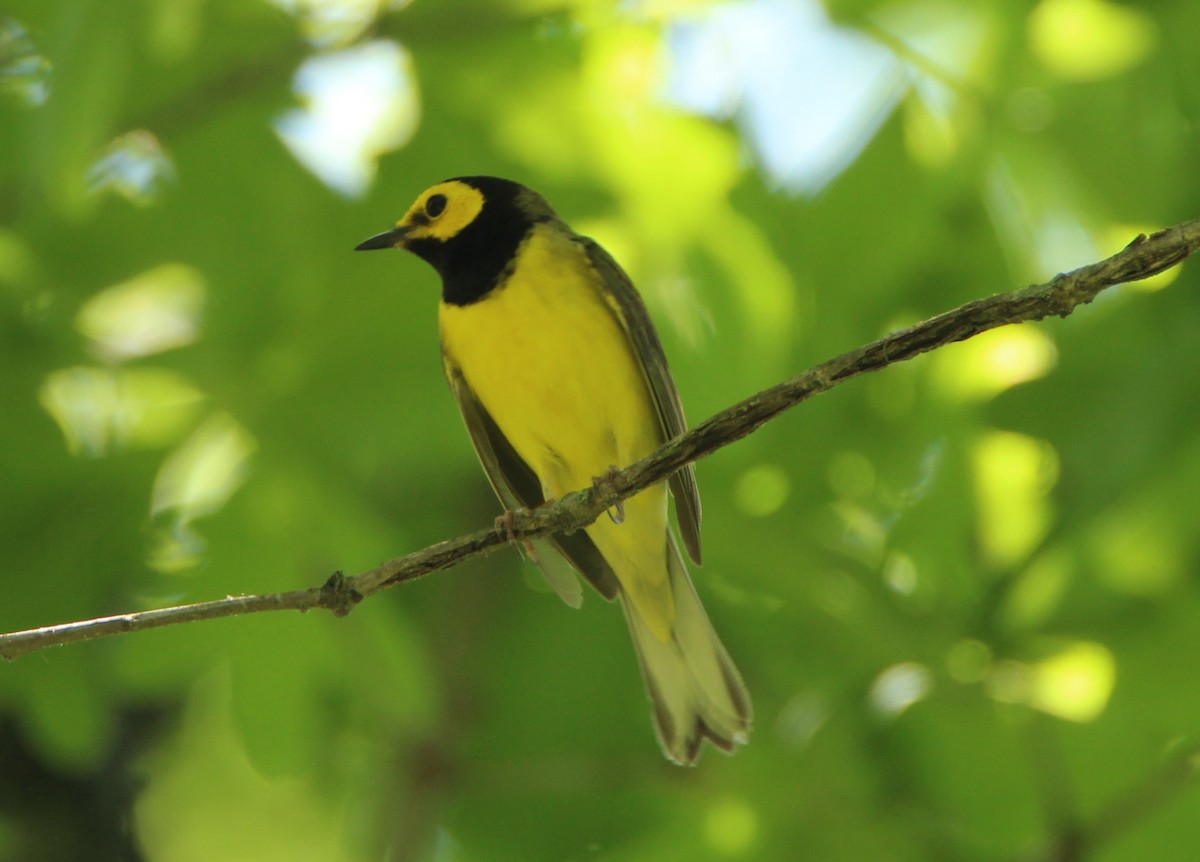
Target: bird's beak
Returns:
[[393, 238]]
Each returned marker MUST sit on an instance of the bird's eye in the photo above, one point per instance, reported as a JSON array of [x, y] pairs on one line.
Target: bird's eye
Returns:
[[435, 205]]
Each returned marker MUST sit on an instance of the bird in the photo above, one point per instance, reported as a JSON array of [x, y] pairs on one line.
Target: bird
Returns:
[[561, 378]]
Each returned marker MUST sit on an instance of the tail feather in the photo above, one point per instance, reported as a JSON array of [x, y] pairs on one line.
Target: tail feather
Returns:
[[693, 684]]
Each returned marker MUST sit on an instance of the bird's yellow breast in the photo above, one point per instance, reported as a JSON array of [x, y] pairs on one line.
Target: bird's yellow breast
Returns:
[[549, 359], [547, 356]]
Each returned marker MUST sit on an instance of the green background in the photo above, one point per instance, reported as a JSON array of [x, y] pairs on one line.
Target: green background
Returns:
[[962, 591]]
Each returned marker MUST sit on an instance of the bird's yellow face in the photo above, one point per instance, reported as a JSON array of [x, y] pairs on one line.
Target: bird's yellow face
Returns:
[[439, 213], [442, 211]]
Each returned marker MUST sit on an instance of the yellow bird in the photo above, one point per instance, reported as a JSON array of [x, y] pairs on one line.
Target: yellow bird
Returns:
[[560, 377]]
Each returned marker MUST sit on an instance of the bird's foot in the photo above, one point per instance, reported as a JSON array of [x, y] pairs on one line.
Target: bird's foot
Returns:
[[616, 513], [507, 522]]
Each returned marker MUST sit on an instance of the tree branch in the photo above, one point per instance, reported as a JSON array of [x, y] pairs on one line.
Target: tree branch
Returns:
[[1144, 257]]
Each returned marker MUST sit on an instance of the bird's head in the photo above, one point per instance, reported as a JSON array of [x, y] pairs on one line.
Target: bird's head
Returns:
[[438, 215], [468, 229]]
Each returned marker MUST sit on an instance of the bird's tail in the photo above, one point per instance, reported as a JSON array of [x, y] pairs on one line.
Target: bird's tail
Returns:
[[696, 690]]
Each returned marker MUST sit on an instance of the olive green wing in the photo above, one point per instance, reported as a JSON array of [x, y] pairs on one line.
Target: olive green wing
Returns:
[[653, 362], [518, 487]]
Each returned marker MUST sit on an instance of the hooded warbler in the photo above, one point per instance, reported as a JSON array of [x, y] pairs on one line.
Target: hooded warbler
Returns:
[[560, 377]]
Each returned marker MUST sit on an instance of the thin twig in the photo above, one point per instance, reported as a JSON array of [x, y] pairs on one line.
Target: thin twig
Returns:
[[1178, 771], [1144, 257], [1073, 841]]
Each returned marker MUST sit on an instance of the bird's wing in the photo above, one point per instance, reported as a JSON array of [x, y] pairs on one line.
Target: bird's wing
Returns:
[[518, 486], [653, 363]]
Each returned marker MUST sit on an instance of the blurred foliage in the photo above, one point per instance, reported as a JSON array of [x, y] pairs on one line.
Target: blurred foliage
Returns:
[[963, 591]]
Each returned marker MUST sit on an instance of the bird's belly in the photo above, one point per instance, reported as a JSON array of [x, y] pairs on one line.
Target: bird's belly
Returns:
[[554, 368], [550, 362]]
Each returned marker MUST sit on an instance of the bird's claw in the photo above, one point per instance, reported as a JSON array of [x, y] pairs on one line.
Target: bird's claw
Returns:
[[506, 523], [616, 513]]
